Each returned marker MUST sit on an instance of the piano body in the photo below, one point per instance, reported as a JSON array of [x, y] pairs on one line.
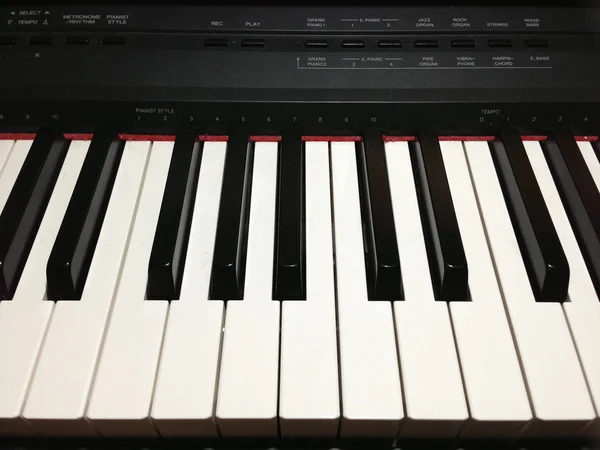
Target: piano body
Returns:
[[280, 226]]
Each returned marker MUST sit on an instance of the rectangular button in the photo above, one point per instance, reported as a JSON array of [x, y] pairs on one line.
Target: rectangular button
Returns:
[[114, 40], [316, 43], [449, 266], [167, 259], [542, 252], [462, 43], [389, 43], [41, 40], [426, 43], [216, 42], [353, 44], [77, 40], [253, 43], [75, 244], [537, 43], [8, 40], [499, 43]]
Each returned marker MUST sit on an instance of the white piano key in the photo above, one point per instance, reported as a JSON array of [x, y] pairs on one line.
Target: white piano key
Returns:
[[121, 396], [60, 388], [494, 384], [583, 308], [557, 389], [591, 160], [433, 390], [309, 402], [15, 158], [5, 148], [184, 395], [370, 379], [23, 320], [248, 379]]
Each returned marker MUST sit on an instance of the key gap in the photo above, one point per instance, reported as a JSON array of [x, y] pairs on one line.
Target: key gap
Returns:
[[335, 291], [274, 293], [38, 355], [218, 375], [246, 205], [402, 390], [157, 367], [279, 369]]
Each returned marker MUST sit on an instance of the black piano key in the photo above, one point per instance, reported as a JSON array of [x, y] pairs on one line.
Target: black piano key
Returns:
[[580, 196], [384, 279], [446, 253], [26, 205], [72, 253], [290, 251], [167, 258], [229, 260], [542, 252]]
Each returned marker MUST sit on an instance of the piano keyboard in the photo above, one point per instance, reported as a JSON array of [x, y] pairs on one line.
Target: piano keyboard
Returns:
[[312, 287]]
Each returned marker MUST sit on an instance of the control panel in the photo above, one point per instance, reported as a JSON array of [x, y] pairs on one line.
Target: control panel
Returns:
[[302, 20]]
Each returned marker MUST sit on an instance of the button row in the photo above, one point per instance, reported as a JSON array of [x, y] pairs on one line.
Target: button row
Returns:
[[44, 40]]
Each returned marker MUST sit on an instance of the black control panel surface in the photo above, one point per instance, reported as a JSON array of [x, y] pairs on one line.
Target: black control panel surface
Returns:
[[406, 68], [301, 20]]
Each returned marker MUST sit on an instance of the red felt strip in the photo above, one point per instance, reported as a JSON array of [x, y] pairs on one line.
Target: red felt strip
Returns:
[[387, 138], [265, 138], [147, 137], [332, 138], [466, 138], [78, 136], [17, 136], [534, 138], [213, 138]]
